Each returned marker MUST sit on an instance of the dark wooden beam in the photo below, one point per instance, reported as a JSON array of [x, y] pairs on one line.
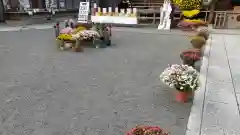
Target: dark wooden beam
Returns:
[[2, 10], [212, 9]]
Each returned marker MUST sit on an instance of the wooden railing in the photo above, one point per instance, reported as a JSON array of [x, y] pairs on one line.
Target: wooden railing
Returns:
[[147, 5], [148, 11], [220, 19], [149, 14]]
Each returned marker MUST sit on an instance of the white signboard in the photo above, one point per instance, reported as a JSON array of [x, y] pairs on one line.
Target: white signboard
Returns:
[[83, 12]]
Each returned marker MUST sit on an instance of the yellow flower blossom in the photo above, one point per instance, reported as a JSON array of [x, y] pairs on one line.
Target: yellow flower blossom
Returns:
[[194, 20], [65, 37], [191, 13]]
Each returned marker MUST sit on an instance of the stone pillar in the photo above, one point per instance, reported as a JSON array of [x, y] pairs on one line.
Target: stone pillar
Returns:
[[2, 10]]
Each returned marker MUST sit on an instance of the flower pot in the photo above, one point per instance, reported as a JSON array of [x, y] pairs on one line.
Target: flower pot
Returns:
[[189, 57], [189, 62], [86, 43], [203, 33], [190, 96], [184, 96], [77, 47], [198, 42]]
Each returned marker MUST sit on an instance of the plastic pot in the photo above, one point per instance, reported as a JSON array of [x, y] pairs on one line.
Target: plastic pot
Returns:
[[183, 97]]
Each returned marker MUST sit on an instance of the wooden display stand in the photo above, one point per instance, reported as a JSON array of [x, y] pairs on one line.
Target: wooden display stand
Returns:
[[233, 18], [104, 16]]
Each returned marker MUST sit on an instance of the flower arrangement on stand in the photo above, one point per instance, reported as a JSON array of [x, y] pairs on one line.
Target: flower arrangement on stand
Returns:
[[190, 20], [189, 57], [65, 39], [86, 37], [147, 130], [183, 78]]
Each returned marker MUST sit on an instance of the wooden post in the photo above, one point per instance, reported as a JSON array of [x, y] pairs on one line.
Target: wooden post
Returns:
[[2, 10], [212, 9]]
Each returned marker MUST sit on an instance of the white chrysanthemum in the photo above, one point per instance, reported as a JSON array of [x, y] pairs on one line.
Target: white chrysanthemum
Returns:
[[86, 34], [181, 77]]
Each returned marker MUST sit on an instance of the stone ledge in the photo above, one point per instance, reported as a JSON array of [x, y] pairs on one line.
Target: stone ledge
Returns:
[[215, 107], [194, 121]]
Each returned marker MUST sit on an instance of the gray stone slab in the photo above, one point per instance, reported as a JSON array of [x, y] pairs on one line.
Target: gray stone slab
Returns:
[[220, 119], [236, 78], [222, 92], [221, 114], [195, 118], [218, 42], [218, 69], [220, 74], [232, 47]]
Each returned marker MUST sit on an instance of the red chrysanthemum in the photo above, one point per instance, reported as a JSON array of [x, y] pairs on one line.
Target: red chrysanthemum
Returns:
[[194, 54], [147, 130]]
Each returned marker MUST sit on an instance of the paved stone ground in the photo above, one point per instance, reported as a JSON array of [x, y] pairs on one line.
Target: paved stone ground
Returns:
[[216, 107], [44, 91]]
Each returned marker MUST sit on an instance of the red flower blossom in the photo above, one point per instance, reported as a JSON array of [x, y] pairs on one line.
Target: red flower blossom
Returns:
[[155, 130], [194, 54]]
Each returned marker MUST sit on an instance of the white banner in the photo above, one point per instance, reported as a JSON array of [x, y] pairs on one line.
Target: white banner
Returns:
[[83, 12]]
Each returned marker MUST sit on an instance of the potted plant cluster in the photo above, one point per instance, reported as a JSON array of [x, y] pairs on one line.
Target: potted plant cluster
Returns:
[[86, 37], [147, 130], [183, 78], [76, 35], [190, 56], [198, 42]]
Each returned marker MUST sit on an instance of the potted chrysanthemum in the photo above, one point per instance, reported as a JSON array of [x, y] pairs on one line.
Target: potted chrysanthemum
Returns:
[[147, 130], [189, 57], [183, 78], [86, 37], [204, 33], [198, 42]]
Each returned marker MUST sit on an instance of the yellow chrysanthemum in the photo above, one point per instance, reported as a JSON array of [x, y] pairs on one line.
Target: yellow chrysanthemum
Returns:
[[78, 29], [65, 37], [194, 20], [191, 13], [188, 4]]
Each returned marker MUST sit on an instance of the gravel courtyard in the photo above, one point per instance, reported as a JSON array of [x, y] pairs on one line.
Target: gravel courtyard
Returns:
[[44, 91]]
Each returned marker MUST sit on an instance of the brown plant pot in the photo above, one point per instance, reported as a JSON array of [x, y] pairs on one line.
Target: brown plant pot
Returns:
[[78, 46], [198, 42], [184, 97], [203, 33], [188, 62], [86, 43], [78, 49]]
